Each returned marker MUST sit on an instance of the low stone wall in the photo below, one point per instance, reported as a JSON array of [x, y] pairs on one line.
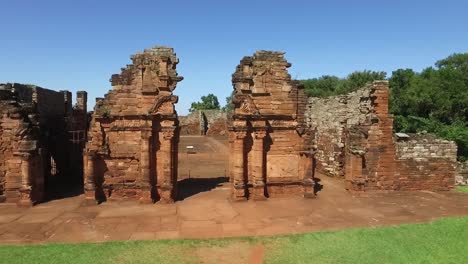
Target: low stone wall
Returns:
[[462, 173], [204, 122], [425, 162]]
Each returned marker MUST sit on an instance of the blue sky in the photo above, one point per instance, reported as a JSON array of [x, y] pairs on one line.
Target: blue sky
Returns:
[[78, 45]]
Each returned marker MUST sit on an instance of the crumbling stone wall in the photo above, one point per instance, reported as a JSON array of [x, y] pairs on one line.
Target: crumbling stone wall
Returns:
[[269, 143], [462, 173], [329, 118], [133, 137], [353, 137], [33, 129], [204, 122], [425, 162]]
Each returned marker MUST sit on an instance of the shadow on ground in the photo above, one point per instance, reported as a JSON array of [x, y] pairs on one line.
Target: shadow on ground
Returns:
[[193, 186]]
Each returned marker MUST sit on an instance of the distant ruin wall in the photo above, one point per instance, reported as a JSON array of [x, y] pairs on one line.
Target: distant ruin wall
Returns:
[[204, 122], [426, 162]]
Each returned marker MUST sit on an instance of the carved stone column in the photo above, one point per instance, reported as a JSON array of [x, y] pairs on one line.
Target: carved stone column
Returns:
[[26, 180], [258, 165], [307, 158], [236, 164], [165, 184], [90, 178], [145, 153]]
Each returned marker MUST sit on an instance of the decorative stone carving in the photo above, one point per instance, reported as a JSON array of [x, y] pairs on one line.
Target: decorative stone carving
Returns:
[[270, 107]]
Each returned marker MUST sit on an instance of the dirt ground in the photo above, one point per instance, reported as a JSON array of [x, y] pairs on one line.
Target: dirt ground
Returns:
[[205, 211]]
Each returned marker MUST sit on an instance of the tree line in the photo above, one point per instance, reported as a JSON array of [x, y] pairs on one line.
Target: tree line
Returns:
[[434, 100]]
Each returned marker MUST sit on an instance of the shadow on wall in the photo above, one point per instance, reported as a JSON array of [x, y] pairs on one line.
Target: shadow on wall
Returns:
[[190, 187]]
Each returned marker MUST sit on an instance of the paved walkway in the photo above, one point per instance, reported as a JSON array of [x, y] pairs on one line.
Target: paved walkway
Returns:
[[210, 214]]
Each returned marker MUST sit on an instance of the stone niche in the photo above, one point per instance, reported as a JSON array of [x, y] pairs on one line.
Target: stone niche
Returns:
[[269, 143], [132, 147]]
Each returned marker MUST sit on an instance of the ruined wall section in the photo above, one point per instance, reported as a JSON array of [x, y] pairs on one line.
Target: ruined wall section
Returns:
[[204, 122], [328, 118], [134, 130], [426, 162], [462, 173], [34, 125]]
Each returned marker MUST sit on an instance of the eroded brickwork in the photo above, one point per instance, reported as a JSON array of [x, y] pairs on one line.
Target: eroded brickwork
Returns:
[[269, 144], [425, 162], [35, 148], [353, 137], [462, 173], [132, 146]]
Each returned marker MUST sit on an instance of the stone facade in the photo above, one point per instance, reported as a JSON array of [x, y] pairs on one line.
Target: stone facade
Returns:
[[269, 144], [204, 122], [37, 153], [133, 136]]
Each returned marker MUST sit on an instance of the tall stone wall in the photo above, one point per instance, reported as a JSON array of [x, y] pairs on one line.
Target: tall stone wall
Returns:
[[204, 122], [329, 118], [34, 134], [132, 145], [269, 143]]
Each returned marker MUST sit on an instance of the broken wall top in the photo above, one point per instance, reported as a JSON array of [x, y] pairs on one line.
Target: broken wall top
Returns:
[[143, 87], [263, 87]]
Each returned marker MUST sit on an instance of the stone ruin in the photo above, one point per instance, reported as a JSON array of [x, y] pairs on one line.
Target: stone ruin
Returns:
[[280, 140], [270, 151], [41, 140], [134, 132], [353, 138], [210, 122]]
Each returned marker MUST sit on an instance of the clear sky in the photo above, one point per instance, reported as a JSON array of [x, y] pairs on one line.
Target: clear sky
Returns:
[[78, 45]]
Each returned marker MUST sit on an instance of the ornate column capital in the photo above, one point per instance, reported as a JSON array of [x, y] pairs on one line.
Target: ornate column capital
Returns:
[[237, 134], [168, 132], [260, 134]]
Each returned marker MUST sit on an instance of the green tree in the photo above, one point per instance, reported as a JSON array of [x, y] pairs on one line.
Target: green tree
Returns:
[[229, 107], [328, 85], [434, 100], [209, 101]]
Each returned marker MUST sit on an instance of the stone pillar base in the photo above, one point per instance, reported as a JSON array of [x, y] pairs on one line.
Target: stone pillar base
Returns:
[[309, 191], [259, 193], [25, 198], [238, 194], [165, 196], [145, 197]]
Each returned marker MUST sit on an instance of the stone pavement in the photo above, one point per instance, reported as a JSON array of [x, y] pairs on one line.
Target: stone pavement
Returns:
[[210, 214]]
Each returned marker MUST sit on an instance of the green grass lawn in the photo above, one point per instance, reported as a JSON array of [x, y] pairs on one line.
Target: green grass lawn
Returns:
[[442, 241], [463, 189]]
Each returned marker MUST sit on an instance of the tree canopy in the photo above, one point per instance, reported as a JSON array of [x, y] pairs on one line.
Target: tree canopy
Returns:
[[209, 101]]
